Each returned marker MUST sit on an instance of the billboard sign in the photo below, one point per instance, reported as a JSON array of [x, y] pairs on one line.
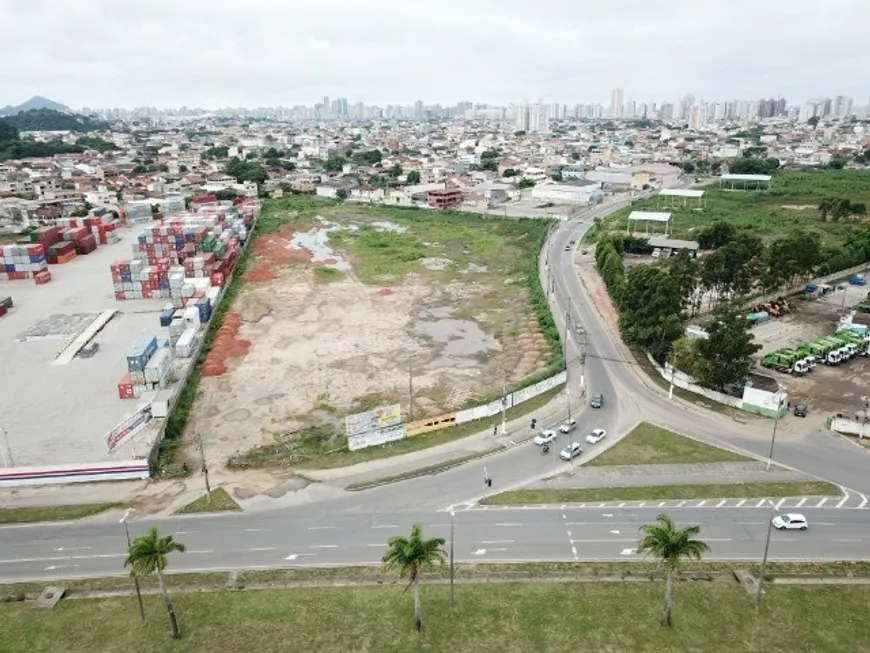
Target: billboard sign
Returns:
[[372, 420], [128, 428], [374, 438]]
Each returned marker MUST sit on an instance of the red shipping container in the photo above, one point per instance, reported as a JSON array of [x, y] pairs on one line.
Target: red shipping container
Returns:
[[42, 278], [120, 296], [217, 279], [2, 310], [125, 387], [147, 293]]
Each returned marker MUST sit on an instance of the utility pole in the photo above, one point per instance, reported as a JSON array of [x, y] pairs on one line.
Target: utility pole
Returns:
[[865, 416], [7, 450], [135, 577], [503, 403], [411, 387], [452, 516], [204, 468], [673, 374], [773, 436], [760, 588]]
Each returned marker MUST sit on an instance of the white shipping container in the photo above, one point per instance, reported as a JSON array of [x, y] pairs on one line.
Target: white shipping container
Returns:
[[137, 377], [191, 317], [161, 404]]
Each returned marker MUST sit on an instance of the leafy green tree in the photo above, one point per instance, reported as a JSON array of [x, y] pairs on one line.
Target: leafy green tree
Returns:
[[8, 131], [510, 172], [576, 156], [490, 165], [216, 152], [728, 350], [688, 167], [650, 310], [671, 544], [412, 555], [139, 169], [837, 163], [246, 171], [148, 554], [490, 154], [716, 235], [341, 194], [96, 143], [395, 171], [754, 166], [225, 194], [51, 120], [686, 357], [335, 164], [413, 177], [182, 168], [813, 121], [526, 183], [368, 157], [685, 270]]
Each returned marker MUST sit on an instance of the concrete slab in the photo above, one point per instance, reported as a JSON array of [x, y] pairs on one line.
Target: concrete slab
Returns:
[[60, 414]]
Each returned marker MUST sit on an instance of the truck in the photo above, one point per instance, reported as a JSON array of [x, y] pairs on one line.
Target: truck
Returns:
[[861, 343], [786, 361], [839, 347], [826, 351], [808, 356]]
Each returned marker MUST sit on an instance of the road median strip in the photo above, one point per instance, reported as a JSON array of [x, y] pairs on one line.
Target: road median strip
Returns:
[[424, 471], [220, 501], [54, 513], [664, 493]]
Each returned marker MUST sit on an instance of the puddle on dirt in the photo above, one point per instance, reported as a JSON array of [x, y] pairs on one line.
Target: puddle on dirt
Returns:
[[390, 227], [461, 338], [316, 241]]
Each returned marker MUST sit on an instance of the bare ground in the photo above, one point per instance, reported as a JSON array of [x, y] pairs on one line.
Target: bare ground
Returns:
[[319, 351]]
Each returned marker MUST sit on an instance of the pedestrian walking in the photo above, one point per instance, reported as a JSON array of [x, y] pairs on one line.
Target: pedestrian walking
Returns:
[[495, 429]]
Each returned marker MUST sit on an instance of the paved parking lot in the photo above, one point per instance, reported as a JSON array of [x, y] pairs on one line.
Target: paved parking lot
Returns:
[[60, 414]]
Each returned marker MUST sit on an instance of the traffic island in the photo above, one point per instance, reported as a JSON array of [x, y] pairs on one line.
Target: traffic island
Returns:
[[54, 513], [219, 501]]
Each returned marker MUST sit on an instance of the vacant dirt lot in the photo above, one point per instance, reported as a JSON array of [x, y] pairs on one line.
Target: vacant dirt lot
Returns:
[[325, 325]]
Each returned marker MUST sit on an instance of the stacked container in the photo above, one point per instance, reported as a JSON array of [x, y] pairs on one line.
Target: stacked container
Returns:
[[149, 368], [19, 262], [61, 252], [5, 305]]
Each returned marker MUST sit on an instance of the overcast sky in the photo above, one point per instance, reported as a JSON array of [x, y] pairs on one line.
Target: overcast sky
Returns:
[[212, 53]]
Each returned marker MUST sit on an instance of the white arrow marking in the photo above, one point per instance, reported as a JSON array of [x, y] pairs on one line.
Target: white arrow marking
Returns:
[[72, 548], [293, 556], [607, 514], [479, 552], [628, 552], [615, 532], [56, 567]]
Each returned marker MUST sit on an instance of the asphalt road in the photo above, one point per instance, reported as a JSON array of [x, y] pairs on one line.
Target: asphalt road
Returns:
[[264, 540], [353, 528]]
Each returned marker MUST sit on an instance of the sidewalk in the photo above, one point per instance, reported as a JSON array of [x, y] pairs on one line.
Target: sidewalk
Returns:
[[685, 474]]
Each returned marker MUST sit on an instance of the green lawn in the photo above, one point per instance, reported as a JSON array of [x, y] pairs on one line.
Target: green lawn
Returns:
[[664, 492], [53, 513], [519, 617], [760, 212], [648, 444], [220, 501]]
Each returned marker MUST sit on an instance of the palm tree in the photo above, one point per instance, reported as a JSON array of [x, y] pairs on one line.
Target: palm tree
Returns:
[[412, 555], [147, 555], [664, 540]]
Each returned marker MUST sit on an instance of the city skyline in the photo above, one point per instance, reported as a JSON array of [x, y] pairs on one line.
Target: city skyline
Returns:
[[217, 55]]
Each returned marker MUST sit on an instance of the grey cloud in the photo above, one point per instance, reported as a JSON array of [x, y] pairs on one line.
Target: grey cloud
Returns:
[[222, 52]]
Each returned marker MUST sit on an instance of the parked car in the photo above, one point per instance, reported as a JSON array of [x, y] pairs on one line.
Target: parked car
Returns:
[[89, 350], [791, 522], [571, 451], [567, 248], [596, 436], [545, 437], [800, 410], [568, 426], [596, 400]]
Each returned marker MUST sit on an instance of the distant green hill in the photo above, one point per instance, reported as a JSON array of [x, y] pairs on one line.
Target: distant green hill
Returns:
[[36, 102], [50, 120]]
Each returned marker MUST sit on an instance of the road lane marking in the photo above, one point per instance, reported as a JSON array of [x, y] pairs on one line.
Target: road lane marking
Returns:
[[801, 502], [601, 541], [628, 552], [185, 532], [510, 524], [56, 567], [823, 523], [778, 504], [319, 528], [202, 551], [257, 530], [750, 523], [379, 544], [323, 546], [72, 548], [742, 501], [497, 542], [621, 505], [863, 501], [263, 548], [718, 539], [384, 526], [821, 503], [843, 500], [574, 551], [701, 504], [760, 503], [641, 504], [722, 503], [662, 503], [56, 558], [681, 504], [293, 556], [847, 539], [611, 532]]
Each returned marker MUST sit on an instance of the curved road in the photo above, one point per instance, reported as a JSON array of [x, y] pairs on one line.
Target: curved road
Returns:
[[353, 528]]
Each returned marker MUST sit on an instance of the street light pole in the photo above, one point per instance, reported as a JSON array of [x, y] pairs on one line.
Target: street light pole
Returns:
[[760, 588], [773, 436], [135, 577], [452, 516]]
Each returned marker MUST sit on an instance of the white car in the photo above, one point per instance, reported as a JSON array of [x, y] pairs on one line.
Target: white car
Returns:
[[571, 451], [568, 426], [545, 437], [791, 521], [596, 436]]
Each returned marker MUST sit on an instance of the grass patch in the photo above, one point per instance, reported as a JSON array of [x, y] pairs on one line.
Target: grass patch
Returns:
[[323, 274], [320, 447], [517, 617], [759, 212], [663, 492], [421, 471], [220, 501], [53, 513], [648, 444]]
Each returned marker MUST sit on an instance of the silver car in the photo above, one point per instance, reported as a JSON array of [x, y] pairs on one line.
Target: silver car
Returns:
[[791, 522], [571, 451]]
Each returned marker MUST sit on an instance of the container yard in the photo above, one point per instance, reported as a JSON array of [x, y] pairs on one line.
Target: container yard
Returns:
[[58, 405]]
